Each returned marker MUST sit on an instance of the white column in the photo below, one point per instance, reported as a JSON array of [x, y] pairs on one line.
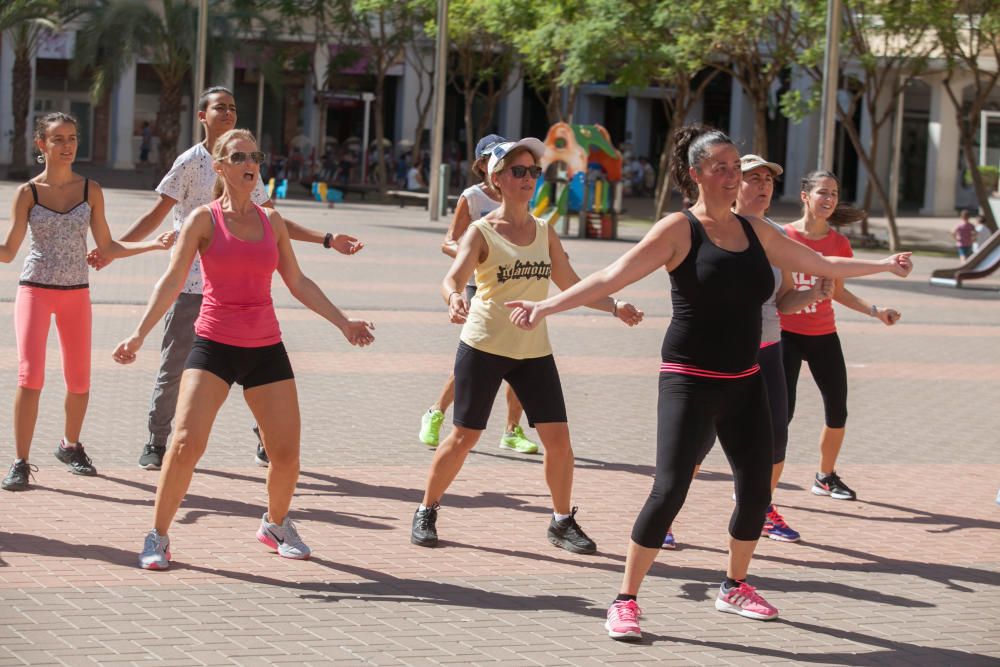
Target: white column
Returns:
[[407, 113], [227, 74], [882, 160], [803, 145], [741, 118], [311, 122], [512, 107], [6, 98], [123, 120], [637, 115], [942, 152]]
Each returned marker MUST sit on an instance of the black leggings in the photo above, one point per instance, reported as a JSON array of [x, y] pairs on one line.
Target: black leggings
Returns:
[[689, 408], [773, 372], [826, 363]]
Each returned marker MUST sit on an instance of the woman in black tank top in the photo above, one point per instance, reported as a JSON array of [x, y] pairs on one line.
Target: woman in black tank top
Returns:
[[718, 265]]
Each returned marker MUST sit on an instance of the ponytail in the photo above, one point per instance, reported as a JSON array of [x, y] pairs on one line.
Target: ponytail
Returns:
[[691, 145]]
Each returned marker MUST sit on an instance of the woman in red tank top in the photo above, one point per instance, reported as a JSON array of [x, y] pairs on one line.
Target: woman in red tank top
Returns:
[[238, 340], [810, 334]]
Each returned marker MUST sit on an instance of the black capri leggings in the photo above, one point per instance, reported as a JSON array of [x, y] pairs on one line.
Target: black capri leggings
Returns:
[[826, 363], [773, 371], [689, 408]]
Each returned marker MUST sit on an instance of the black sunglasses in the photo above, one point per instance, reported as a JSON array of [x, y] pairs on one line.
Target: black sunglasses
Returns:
[[520, 171], [239, 157]]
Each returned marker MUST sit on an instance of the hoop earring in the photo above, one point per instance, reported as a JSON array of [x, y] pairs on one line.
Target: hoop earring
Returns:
[[40, 159]]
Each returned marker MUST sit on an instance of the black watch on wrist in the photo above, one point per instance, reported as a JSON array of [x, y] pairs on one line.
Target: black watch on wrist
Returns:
[[327, 240]]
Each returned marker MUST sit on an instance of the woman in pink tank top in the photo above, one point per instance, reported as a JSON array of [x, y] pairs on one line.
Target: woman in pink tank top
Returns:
[[237, 340]]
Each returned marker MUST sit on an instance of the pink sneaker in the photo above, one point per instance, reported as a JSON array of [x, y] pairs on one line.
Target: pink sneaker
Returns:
[[623, 620], [745, 601]]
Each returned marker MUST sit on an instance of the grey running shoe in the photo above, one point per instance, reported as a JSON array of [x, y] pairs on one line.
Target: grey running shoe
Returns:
[[76, 460], [424, 531], [261, 458], [18, 475], [283, 538], [568, 535], [155, 552], [152, 456]]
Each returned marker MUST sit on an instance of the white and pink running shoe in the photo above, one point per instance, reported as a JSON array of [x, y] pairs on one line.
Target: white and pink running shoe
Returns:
[[623, 620], [745, 601]]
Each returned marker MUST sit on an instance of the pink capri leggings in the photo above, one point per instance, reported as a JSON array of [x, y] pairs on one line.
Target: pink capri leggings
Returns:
[[33, 311]]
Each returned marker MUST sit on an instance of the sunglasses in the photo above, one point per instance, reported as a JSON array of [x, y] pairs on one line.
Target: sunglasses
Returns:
[[520, 171], [239, 157]]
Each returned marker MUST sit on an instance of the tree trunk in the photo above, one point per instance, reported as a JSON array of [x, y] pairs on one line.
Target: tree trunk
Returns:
[[469, 96], [168, 122], [553, 103], [423, 109], [22, 98], [380, 130], [759, 97], [868, 161]]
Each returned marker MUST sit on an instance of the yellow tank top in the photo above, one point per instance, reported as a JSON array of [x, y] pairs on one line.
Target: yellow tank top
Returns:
[[510, 272]]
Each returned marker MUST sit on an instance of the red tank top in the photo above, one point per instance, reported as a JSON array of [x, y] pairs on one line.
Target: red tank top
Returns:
[[817, 319], [237, 308]]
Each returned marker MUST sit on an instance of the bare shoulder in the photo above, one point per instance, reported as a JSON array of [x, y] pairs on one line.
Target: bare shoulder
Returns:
[[673, 225]]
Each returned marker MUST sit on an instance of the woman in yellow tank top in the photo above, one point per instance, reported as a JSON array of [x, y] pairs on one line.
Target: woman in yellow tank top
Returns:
[[514, 256]]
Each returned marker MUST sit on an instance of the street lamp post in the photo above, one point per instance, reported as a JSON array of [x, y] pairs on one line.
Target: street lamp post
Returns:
[[437, 140], [199, 72], [828, 108]]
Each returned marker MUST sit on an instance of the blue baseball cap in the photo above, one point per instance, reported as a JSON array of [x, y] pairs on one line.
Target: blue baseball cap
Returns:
[[486, 144]]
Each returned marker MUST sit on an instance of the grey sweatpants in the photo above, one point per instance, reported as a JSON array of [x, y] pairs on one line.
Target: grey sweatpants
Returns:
[[178, 338]]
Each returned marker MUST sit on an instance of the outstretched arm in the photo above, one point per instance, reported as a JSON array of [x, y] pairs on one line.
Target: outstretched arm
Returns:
[[107, 246], [664, 245], [342, 243], [18, 224], [845, 297], [195, 234], [791, 255], [308, 293]]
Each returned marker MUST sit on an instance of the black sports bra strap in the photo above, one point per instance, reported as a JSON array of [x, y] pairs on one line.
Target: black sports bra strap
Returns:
[[34, 192], [86, 186]]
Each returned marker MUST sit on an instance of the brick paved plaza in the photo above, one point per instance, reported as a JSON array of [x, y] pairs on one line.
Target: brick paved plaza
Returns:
[[909, 574]]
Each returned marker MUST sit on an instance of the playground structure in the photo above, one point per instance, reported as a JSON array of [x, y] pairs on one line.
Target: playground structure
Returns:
[[583, 173], [983, 262]]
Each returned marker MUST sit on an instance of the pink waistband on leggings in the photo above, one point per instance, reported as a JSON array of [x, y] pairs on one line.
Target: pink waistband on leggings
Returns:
[[33, 311]]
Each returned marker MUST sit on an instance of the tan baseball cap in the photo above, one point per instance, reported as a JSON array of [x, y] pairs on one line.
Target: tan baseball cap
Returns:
[[751, 162]]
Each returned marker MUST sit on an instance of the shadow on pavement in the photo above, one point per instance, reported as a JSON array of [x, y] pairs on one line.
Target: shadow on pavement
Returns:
[[950, 522]]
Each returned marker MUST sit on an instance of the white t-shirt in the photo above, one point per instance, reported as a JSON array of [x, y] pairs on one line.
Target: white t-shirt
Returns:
[[480, 204], [190, 181], [983, 235], [413, 179]]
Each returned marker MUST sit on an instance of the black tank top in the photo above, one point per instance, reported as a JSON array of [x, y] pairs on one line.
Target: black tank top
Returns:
[[717, 297]]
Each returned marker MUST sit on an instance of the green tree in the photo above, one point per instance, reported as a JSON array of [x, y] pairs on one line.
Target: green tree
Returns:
[[658, 44], [482, 62], [884, 45], [970, 43], [115, 33], [26, 22], [758, 40], [381, 30]]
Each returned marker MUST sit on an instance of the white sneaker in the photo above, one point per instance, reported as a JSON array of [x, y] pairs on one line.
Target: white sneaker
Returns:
[[155, 552], [283, 538]]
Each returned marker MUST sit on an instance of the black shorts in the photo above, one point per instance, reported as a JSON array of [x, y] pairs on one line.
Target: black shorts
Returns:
[[247, 366], [477, 379]]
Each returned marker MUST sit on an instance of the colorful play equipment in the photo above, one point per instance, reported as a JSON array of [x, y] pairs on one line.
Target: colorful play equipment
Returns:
[[277, 189], [323, 192], [583, 173]]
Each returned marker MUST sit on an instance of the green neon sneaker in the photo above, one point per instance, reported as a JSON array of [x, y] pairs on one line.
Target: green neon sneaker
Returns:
[[516, 441], [430, 427]]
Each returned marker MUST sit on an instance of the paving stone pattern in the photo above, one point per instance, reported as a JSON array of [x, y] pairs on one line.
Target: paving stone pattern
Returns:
[[908, 575]]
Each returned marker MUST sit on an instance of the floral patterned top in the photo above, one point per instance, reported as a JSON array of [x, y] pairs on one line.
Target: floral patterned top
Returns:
[[57, 250]]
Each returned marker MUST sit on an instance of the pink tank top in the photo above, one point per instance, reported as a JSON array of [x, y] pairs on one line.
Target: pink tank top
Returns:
[[237, 308]]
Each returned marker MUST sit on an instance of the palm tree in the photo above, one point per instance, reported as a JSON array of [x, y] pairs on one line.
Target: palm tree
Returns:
[[116, 32], [25, 21]]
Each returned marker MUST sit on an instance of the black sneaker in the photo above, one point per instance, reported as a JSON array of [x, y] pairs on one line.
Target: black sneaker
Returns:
[[18, 476], [831, 485], [76, 460], [261, 457], [152, 456], [424, 532], [568, 535]]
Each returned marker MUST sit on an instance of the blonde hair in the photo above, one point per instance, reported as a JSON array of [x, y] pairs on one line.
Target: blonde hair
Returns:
[[502, 163], [221, 150]]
